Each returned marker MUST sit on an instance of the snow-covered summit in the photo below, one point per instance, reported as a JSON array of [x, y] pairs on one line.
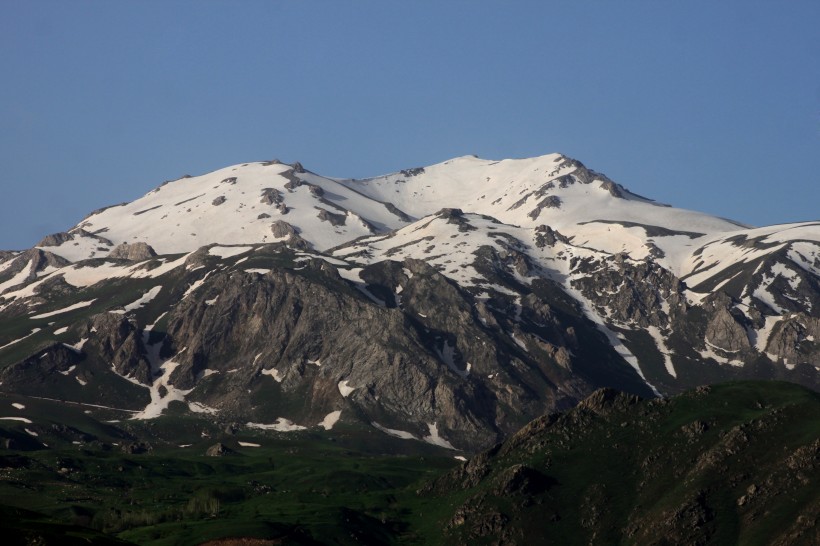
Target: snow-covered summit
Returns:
[[269, 201]]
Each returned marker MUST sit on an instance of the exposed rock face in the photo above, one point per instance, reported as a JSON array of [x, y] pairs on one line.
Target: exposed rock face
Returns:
[[133, 252], [53, 359], [218, 450], [33, 261], [427, 362], [546, 236], [55, 239], [630, 292], [271, 196], [549, 202], [398, 212], [281, 229], [219, 200], [796, 340], [331, 217], [117, 340], [612, 188], [724, 332]]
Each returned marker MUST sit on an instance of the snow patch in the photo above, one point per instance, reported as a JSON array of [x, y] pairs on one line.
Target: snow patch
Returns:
[[330, 419], [660, 342], [78, 305], [147, 297], [274, 373], [708, 352], [197, 407], [344, 389], [9, 344], [77, 347], [435, 439], [393, 432], [281, 425]]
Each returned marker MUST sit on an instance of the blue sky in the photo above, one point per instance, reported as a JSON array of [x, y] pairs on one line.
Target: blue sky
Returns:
[[713, 106]]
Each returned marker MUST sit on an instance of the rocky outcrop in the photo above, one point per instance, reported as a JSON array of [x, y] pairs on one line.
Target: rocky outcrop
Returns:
[[546, 236], [133, 252], [282, 229], [332, 218], [271, 196], [795, 340], [631, 292], [219, 450], [725, 332], [424, 358], [50, 361], [31, 263], [117, 340], [549, 202], [55, 239]]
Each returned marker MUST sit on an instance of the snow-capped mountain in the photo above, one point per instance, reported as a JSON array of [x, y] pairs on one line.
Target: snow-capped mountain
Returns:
[[449, 303]]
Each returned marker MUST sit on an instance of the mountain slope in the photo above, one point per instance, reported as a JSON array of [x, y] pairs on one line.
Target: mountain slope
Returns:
[[450, 303]]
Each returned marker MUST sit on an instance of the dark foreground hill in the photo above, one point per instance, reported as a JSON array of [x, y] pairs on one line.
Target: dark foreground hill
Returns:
[[737, 463]]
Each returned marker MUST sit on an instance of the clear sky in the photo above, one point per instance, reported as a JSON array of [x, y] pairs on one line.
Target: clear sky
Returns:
[[706, 105]]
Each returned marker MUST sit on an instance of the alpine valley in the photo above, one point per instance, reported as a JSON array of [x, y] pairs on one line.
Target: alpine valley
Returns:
[[433, 311]]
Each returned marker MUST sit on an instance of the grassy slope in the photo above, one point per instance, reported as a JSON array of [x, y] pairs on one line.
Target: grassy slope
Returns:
[[661, 472], [616, 472]]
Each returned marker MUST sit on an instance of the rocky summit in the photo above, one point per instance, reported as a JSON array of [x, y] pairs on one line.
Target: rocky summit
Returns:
[[448, 304]]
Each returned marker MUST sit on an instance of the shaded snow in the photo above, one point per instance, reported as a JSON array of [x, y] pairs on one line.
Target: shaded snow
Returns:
[[661, 344], [274, 373], [330, 419], [434, 437], [345, 389], [78, 305], [147, 297], [228, 251], [393, 432]]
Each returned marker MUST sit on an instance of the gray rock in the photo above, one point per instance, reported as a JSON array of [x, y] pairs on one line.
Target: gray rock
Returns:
[[133, 252], [725, 332], [280, 229], [333, 218], [219, 450], [271, 196]]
